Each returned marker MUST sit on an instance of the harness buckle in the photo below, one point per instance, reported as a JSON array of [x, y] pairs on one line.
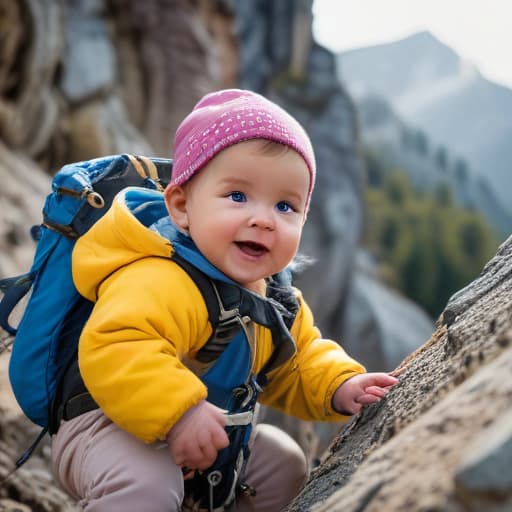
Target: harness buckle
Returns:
[[239, 418]]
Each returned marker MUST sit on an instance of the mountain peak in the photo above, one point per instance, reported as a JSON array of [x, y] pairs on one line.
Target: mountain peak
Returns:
[[423, 37], [430, 86], [395, 66], [427, 41]]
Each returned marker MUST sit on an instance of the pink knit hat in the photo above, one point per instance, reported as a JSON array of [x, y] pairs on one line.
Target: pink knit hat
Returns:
[[226, 117]]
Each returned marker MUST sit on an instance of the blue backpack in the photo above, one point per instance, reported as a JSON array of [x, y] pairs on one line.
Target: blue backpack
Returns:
[[43, 368], [81, 193]]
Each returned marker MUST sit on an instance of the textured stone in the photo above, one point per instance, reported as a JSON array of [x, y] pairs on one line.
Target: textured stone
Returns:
[[404, 453], [28, 105], [89, 65], [13, 506], [168, 58], [487, 464]]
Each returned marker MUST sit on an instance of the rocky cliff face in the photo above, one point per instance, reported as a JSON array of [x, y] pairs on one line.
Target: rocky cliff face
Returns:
[[442, 438]]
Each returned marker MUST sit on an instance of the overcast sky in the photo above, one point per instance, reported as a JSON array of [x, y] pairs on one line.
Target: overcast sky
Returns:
[[480, 31]]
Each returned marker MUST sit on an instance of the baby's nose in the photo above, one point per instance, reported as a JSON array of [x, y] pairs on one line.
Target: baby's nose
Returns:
[[263, 219]]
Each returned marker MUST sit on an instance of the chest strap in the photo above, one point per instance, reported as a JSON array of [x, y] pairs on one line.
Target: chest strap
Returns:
[[226, 303]]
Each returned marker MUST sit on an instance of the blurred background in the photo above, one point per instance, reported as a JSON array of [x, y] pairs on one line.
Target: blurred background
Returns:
[[411, 126]]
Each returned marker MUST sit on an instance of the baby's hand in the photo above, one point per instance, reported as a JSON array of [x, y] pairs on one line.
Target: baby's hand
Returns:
[[362, 389], [197, 437]]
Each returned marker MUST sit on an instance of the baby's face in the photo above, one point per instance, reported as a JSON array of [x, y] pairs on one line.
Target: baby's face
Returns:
[[245, 210]]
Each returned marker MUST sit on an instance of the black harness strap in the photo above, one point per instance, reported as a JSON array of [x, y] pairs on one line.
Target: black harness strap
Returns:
[[204, 283], [234, 298], [265, 312]]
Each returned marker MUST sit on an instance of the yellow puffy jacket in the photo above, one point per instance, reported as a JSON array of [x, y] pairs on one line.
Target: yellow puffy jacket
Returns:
[[150, 320]]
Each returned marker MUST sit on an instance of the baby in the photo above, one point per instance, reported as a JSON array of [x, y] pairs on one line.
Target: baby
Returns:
[[240, 190]]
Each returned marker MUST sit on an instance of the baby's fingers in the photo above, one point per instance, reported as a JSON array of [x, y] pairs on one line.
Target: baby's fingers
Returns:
[[194, 455], [208, 457], [376, 391], [383, 380], [219, 438], [354, 407], [200, 457], [368, 399]]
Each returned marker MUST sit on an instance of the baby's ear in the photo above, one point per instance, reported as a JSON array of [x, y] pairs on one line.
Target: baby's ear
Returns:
[[176, 202]]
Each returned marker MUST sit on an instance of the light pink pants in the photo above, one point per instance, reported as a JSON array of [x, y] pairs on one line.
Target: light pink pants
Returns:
[[108, 470]]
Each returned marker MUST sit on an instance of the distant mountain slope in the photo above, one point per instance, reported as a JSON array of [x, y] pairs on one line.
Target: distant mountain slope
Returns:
[[399, 145], [430, 86]]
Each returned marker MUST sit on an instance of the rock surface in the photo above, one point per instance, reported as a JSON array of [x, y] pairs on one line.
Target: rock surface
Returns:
[[441, 440]]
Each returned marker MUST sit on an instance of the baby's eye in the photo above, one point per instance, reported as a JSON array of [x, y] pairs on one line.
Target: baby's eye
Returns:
[[284, 207], [237, 196]]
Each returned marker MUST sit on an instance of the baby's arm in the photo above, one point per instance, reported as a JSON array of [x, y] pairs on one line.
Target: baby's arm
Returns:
[[197, 436], [362, 389]]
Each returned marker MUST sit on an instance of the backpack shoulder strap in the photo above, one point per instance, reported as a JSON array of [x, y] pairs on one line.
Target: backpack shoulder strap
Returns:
[[205, 285], [226, 303]]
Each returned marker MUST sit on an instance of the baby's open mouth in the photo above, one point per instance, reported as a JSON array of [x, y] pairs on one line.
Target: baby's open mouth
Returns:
[[252, 248]]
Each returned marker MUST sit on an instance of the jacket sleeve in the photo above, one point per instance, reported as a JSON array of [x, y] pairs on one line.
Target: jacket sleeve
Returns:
[[148, 318], [304, 386]]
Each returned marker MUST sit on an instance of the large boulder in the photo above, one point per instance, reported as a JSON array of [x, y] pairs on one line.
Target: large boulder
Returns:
[[442, 438]]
